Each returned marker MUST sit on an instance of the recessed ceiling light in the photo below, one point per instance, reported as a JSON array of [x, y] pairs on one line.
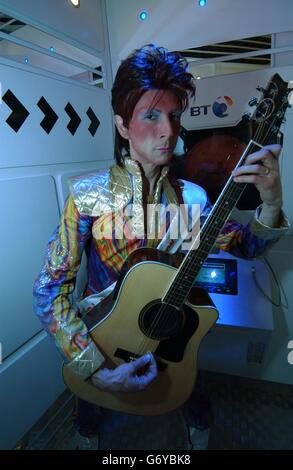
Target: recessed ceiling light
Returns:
[[143, 15]]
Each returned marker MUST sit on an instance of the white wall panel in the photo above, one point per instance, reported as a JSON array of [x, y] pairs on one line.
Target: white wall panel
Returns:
[[34, 168], [235, 351], [27, 143], [30, 381], [30, 212], [277, 367]]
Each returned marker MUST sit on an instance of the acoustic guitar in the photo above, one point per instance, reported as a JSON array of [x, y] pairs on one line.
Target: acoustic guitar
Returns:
[[155, 306]]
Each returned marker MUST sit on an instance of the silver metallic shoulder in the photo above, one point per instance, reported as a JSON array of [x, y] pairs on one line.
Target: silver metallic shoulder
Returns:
[[100, 192]]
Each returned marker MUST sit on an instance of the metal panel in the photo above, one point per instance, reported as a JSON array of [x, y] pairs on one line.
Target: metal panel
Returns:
[[29, 211], [248, 309]]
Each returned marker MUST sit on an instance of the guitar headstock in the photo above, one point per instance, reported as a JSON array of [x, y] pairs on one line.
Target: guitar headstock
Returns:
[[270, 109]]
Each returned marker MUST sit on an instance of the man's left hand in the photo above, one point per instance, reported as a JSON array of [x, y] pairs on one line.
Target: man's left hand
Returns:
[[262, 169]]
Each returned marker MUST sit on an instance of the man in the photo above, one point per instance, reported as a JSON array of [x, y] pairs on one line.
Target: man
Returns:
[[149, 94]]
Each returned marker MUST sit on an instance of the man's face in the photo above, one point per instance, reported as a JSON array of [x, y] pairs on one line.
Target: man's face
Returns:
[[154, 127]]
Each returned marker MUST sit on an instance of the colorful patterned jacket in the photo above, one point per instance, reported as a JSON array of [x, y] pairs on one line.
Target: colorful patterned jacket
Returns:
[[96, 201]]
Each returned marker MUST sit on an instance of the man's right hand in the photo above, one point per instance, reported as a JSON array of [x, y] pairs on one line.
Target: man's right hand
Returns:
[[127, 377]]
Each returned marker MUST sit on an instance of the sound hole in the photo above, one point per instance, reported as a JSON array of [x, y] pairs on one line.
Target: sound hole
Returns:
[[160, 321]]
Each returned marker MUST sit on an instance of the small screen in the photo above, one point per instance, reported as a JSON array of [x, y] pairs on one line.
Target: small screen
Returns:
[[212, 274]]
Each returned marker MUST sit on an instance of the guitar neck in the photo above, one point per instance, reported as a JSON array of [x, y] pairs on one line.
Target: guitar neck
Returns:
[[266, 123], [193, 261]]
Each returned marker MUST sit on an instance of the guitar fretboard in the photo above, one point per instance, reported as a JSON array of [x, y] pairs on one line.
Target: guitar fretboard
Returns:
[[182, 284]]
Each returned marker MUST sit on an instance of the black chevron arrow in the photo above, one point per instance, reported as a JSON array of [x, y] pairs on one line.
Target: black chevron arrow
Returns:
[[50, 118], [74, 119], [94, 121], [19, 113]]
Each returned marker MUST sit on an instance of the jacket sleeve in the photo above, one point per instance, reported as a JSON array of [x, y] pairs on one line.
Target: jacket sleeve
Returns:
[[54, 286], [251, 240]]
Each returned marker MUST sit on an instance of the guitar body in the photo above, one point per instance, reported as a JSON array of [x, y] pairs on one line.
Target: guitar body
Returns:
[[123, 328]]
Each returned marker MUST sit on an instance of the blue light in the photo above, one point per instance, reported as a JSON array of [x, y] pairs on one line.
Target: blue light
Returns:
[[202, 3], [52, 49], [143, 15], [26, 60]]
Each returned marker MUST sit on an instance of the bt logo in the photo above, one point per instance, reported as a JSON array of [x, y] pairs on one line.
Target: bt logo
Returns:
[[221, 105], [198, 110]]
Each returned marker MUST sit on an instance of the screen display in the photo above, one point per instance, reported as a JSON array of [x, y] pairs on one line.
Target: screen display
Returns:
[[218, 276], [212, 273]]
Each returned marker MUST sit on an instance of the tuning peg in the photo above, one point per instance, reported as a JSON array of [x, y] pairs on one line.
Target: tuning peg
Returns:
[[260, 88], [246, 116], [253, 101]]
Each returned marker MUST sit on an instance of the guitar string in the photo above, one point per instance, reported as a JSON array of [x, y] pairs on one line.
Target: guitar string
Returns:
[[159, 318], [235, 184], [235, 189], [257, 137], [190, 268]]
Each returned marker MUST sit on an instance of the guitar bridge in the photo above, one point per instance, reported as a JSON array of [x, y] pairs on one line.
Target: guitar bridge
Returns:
[[128, 356]]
